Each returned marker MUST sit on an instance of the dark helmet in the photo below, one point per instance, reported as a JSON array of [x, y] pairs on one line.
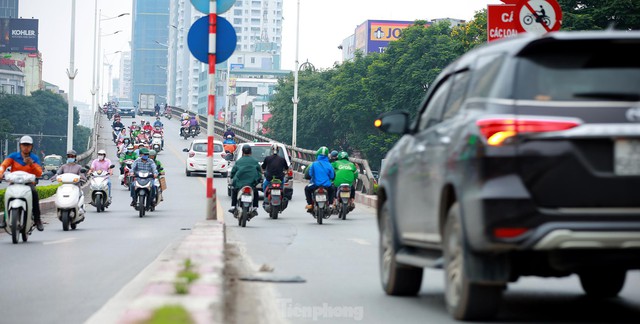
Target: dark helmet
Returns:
[[246, 149], [334, 154]]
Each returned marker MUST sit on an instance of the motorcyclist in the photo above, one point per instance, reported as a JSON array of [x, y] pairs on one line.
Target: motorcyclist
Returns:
[[194, 124], [26, 161], [321, 174], [158, 123], [228, 132], [73, 167], [135, 132], [104, 164], [346, 172], [147, 127], [333, 156], [274, 166], [145, 164], [245, 172], [229, 144], [117, 123], [184, 123], [133, 126], [153, 155], [157, 109], [129, 154]]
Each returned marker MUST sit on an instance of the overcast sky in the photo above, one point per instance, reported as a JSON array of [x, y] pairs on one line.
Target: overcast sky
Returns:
[[323, 26]]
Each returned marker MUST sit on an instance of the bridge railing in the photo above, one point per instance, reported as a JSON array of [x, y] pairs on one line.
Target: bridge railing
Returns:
[[299, 157]]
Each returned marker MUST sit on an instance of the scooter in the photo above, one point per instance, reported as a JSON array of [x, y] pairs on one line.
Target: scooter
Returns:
[[115, 133], [99, 185], [126, 178], [156, 142], [344, 193], [18, 205], [321, 208], [158, 195], [167, 113], [275, 203], [245, 201], [142, 187], [70, 200]]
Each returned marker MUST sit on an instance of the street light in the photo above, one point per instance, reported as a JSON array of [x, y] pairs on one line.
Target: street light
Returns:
[[295, 86], [96, 37], [110, 65], [98, 84], [71, 73]]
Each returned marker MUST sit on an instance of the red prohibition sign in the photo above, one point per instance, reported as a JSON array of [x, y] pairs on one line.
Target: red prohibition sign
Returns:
[[538, 16]]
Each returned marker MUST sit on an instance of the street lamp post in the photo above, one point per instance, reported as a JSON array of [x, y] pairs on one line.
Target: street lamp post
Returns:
[[295, 86], [71, 73]]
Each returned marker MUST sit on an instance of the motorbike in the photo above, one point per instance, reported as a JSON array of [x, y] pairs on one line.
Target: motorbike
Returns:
[[275, 201], [344, 193], [158, 195], [321, 208], [126, 178], [245, 202], [99, 185], [167, 113], [142, 187], [69, 201], [18, 205], [110, 112], [115, 133], [156, 142], [184, 130]]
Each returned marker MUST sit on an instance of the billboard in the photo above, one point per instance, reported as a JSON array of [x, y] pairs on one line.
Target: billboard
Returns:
[[379, 33], [18, 35]]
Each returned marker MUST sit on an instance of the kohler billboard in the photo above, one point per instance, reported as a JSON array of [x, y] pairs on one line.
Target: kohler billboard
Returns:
[[18, 35]]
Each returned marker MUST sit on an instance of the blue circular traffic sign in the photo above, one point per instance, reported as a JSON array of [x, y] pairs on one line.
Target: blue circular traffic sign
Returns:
[[198, 39], [221, 5]]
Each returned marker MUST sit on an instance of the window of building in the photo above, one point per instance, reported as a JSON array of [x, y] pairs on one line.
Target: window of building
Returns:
[[253, 59]]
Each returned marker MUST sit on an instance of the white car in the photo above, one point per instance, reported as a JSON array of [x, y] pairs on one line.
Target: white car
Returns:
[[197, 158], [259, 151]]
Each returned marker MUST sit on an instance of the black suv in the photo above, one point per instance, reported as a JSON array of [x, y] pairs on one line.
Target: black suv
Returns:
[[524, 160]]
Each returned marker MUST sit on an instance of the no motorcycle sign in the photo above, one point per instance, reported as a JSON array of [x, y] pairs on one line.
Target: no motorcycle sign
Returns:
[[520, 16]]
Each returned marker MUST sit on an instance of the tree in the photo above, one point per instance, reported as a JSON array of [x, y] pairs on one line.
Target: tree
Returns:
[[600, 14]]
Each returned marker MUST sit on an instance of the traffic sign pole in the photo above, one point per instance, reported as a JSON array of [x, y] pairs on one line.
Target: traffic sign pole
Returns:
[[213, 24]]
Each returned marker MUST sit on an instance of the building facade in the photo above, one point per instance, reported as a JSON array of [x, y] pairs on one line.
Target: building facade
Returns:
[[11, 80], [148, 55], [9, 8], [124, 88]]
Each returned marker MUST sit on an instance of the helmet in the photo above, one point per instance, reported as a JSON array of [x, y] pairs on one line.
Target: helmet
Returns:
[[246, 149], [148, 123], [152, 152], [130, 147], [274, 149], [72, 152], [157, 118], [144, 151], [323, 151], [334, 154], [26, 140], [102, 152], [229, 136], [343, 155]]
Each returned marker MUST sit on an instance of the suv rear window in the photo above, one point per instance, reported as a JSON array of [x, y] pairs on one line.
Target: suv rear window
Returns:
[[261, 152], [202, 147], [580, 71]]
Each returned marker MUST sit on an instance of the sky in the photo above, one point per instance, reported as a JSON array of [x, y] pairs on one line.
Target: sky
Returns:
[[324, 24]]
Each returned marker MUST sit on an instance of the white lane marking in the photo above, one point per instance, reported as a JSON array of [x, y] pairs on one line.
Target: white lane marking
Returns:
[[360, 241], [67, 240]]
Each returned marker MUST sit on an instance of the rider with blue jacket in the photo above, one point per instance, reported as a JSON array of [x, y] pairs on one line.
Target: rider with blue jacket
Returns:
[[321, 174]]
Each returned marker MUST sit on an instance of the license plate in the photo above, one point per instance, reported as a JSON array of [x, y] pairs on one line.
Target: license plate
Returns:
[[275, 191], [345, 194], [321, 198], [627, 157], [246, 199]]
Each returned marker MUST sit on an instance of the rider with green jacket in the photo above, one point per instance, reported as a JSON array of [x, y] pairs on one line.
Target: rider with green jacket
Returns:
[[245, 172], [129, 154], [346, 172]]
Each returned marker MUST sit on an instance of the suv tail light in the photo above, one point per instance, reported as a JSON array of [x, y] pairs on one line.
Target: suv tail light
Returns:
[[498, 130], [290, 173], [509, 232], [192, 154]]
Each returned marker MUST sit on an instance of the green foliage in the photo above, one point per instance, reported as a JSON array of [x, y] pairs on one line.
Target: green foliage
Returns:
[[170, 314], [600, 14], [44, 113], [43, 192], [185, 277]]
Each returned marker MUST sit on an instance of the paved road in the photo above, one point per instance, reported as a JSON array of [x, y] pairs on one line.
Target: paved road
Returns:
[[339, 261], [65, 277]]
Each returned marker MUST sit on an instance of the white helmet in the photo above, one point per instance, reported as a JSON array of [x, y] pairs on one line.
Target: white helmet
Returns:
[[274, 149], [103, 152], [26, 140]]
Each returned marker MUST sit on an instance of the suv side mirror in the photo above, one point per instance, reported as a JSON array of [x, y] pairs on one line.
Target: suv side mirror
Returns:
[[185, 150], [395, 122], [112, 166]]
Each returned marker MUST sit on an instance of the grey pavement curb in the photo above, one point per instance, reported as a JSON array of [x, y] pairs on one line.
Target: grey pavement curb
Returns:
[[205, 300]]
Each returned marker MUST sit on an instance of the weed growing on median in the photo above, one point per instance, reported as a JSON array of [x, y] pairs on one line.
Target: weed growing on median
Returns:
[[185, 278], [170, 314]]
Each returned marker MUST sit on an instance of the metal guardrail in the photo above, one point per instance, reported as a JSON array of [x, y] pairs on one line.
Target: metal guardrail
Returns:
[[299, 157]]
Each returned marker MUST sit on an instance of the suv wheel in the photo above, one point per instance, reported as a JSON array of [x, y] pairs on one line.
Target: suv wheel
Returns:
[[396, 279], [465, 300], [603, 283]]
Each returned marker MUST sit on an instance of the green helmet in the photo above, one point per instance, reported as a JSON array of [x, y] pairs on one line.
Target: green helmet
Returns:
[[323, 151], [144, 151], [343, 155], [153, 153]]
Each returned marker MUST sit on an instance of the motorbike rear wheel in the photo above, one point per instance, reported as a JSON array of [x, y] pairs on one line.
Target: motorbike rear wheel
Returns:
[[243, 217], [24, 231], [319, 215], [64, 216], [344, 209], [141, 205], [274, 212], [15, 214]]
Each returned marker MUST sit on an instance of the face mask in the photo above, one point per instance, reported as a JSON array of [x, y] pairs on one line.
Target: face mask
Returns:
[[71, 160], [101, 157], [145, 157]]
